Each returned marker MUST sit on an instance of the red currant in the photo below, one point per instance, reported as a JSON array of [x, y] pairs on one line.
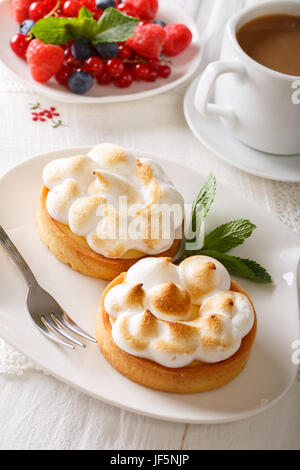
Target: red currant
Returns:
[[152, 76], [104, 79], [140, 71], [97, 14], [164, 71], [93, 65], [89, 4], [49, 5], [37, 10], [125, 80], [124, 51], [114, 67], [71, 8], [68, 53], [154, 64], [19, 43], [127, 10], [63, 74]]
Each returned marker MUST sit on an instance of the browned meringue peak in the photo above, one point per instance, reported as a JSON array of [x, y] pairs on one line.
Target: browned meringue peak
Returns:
[[182, 339], [204, 276], [112, 157], [82, 211], [79, 168], [112, 248], [113, 186], [223, 302], [144, 172], [148, 328], [170, 302], [125, 298], [60, 199], [217, 334]]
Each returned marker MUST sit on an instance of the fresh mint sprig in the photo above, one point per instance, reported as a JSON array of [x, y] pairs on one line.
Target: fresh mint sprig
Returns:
[[112, 26], [224, 238]]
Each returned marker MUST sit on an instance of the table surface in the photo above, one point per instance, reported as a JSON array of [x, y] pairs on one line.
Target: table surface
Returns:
[[39, 412]]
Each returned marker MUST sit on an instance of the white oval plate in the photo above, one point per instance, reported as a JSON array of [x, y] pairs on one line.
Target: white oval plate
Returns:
[[183, 66], [270, 371], [214, 135]]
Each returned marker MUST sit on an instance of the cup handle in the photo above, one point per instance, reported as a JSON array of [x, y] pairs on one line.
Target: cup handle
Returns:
[[206, 84]]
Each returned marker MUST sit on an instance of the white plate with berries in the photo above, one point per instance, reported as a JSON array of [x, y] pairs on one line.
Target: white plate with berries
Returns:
[[75, 52]]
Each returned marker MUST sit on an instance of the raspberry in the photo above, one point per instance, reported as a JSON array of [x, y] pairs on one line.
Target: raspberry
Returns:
[[178, 39], [44, 60], [148, 40], [145, 9], [20, 9]]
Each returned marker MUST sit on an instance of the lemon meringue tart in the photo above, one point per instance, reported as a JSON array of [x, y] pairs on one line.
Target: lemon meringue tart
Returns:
[[180, 329], [96, 211]]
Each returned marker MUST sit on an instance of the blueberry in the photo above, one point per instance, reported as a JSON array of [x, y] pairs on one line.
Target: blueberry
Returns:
[[107, 50], [103, 4], [80, 82], [82, 49], [26, 26], [161, 23]]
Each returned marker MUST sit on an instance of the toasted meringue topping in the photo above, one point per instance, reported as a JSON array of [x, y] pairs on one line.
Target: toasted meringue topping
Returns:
[[235, 306], [203, 277], [112, 187], [153, 315], [170, 302]]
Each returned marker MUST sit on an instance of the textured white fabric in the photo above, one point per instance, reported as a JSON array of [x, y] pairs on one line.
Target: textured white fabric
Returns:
[[38, 411]]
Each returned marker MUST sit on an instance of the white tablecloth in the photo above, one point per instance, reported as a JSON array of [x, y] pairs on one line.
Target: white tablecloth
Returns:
[[37, 411]]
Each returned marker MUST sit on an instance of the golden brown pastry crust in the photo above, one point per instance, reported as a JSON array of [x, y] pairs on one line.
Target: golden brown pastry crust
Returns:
[[198, 377], [74, 251]]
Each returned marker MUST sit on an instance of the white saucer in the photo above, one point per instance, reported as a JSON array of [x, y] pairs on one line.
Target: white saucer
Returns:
[[213, 134], [183, 66], [269, 373]]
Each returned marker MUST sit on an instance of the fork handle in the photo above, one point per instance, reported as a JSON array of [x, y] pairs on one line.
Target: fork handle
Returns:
[[17, 258]]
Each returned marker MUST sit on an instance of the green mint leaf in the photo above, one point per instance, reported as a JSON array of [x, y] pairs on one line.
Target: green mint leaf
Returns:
[[229, 235], [85, 13], [85, 25], [245, 268], [114, 26], [203, 202], [54, 30]]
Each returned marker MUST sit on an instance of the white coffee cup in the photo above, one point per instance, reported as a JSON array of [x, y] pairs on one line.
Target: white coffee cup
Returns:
[[254, 101]]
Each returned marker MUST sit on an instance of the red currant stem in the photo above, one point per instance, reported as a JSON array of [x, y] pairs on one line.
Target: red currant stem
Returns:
[[166, 61], [135, 61], [52, 12]]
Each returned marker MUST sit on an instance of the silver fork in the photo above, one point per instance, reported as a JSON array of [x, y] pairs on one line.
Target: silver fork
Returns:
[[46, 313]]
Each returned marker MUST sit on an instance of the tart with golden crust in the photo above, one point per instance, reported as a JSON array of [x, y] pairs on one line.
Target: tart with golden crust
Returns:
[[185, 329], [79, 215]]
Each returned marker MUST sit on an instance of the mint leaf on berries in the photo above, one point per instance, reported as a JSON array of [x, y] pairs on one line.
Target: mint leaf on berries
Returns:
[[229, 236], [54, 30], [114, 26]]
